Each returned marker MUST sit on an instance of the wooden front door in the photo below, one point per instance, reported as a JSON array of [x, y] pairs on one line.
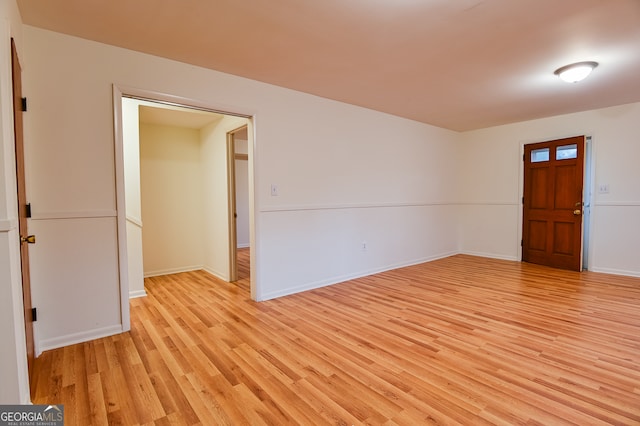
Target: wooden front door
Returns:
[[22, 207], [552, 215]]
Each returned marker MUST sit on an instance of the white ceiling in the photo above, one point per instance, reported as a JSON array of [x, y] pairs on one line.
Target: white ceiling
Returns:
[[458, 64]]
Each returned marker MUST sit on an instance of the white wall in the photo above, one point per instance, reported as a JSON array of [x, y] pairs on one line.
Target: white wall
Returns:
[[78, 302], [14, 380], [75, 275], [242, 195], [346, 175], [216, 186], [172, 199], [491, 185], [330, 160]]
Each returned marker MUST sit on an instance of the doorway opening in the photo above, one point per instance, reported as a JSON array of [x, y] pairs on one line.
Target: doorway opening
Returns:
[[238, 179], [173, 189]]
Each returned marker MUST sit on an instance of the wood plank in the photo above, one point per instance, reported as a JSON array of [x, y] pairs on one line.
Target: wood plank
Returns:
[[458, 340]]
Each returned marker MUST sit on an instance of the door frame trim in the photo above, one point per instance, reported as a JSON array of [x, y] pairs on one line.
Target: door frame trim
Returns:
[[586, 186], [120, 91], [589, 188]]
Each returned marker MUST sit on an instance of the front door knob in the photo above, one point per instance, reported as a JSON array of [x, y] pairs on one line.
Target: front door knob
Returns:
[[577, 212]]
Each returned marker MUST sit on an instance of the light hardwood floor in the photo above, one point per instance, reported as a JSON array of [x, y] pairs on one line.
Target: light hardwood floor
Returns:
[[462, 340]]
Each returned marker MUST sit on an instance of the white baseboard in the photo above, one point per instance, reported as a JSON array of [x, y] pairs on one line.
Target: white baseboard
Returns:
[[348, 277], [137, 293], [72, 339], [614, 271], [490, 255], [247, 245], [216, 273], [178, 271], [149, 274]]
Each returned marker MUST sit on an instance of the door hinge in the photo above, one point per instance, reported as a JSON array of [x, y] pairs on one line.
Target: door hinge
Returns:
[[521, 243], [34, 314], [27, 210], [522, 200], [24, 104]]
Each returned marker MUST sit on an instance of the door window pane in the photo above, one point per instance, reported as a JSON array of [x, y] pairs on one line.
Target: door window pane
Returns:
[[539, 155], [566, 152]]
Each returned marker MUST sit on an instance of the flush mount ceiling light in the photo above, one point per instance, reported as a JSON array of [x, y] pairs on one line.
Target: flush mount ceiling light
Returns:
[[574, 73]]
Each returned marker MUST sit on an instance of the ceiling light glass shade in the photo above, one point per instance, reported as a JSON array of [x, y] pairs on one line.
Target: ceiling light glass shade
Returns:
[[575, 72]]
